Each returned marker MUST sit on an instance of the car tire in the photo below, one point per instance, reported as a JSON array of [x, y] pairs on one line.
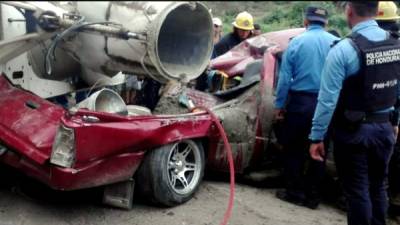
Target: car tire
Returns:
[[171, 174]]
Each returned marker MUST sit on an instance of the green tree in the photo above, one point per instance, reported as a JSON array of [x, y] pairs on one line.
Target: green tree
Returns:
[[277, 15]]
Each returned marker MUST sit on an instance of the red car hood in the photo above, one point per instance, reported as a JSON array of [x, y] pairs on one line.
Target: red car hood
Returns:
[[235, 61], [28, 123]]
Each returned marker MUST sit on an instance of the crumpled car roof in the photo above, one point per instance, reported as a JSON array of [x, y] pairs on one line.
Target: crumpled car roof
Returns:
[[235, 61]]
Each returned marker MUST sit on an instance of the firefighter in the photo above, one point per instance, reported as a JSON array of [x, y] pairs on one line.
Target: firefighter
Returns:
[[358, 92], [387, 19], [387, 16], [296, 98], [242, 28]]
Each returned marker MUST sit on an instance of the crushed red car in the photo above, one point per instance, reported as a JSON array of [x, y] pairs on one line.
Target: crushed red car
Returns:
[[163, 155]]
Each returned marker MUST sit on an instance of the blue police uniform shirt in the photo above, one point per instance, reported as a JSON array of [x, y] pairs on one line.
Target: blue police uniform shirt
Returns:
[[297, 74], [341, 62]]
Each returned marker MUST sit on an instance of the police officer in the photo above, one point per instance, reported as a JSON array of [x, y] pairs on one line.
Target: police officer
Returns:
[[242, 28], [359, 89], [296, 98], [387, 20]]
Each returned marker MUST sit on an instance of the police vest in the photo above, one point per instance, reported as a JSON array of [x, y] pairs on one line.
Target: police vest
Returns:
[[374, 87]]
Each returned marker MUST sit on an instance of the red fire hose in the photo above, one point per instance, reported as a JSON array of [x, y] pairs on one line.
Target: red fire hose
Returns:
[[228, 149]]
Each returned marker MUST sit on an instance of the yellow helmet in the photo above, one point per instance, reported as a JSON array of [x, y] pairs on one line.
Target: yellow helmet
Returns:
[[387, 10], [244, 21]]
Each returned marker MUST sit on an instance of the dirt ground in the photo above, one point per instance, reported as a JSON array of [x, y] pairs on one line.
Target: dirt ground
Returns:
[[23, 202]]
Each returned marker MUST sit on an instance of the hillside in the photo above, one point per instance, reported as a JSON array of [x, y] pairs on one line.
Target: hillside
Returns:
[[277, 15]]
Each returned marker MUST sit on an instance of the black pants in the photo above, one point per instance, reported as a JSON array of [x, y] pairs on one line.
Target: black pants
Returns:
[[362, 159], [394, 180], [302, 174]]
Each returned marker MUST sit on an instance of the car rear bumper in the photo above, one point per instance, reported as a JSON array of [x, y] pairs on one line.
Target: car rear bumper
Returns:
[[96, 173]]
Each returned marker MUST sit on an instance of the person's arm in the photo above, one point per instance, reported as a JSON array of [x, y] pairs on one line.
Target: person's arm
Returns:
[[333, 75], [285, 77]]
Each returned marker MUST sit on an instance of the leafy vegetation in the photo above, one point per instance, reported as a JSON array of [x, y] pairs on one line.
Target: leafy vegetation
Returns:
[[277, 15]]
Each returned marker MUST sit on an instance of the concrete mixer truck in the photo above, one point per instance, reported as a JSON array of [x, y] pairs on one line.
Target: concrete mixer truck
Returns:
[[49, 49]]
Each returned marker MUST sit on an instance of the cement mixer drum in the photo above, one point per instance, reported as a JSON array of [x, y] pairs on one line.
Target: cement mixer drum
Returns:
[[67, 42], [177, 44]]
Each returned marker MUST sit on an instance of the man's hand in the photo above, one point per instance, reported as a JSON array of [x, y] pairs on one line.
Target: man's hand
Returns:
[[317, 151], [396, 132], [279, 114]]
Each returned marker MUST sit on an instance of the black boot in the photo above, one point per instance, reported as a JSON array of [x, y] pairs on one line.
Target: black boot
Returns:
[[312, 203], [287, 197]]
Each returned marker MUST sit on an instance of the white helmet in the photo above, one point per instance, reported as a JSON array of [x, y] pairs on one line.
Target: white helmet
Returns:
[[217, 21]]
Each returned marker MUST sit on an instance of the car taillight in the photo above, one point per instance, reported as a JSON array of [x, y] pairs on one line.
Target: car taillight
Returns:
[[63, 153]]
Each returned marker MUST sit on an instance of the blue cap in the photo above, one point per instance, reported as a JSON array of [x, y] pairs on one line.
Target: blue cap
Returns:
[[317, 14]]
